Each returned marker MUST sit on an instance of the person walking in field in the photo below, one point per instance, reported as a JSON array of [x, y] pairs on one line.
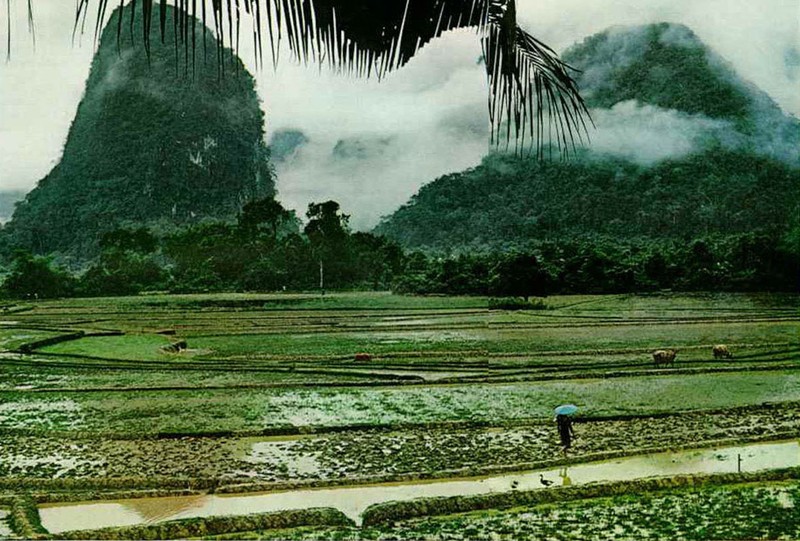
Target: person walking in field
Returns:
[[565, 431]]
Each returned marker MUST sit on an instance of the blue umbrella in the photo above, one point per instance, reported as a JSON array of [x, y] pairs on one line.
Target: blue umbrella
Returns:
[[566, 409]]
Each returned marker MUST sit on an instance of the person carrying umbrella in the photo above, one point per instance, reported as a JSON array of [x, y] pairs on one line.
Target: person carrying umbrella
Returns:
[[564, 422]]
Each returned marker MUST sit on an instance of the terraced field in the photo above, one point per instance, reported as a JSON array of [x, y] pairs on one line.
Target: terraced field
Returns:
[[102, 399]]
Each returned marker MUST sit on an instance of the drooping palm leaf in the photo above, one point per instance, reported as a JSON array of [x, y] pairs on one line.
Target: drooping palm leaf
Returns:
[[532, 98]]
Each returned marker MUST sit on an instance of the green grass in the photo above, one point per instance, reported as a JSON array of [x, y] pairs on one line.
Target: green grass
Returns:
[[14, 377], [130, 346], [585, 335], [399, 340], [266, 362]]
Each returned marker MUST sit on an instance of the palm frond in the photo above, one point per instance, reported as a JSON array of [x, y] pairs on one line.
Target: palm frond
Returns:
[[533, 101]]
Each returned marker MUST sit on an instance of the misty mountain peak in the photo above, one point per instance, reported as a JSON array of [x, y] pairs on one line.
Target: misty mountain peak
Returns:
[[362, 148], [286, 143], [676, 128], [663, 64], [157, 140], [667, 68]]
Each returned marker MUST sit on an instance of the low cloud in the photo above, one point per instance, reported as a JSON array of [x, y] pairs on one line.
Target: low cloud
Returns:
[[433, 111], [376, 173], [371, 145], [647, 134]]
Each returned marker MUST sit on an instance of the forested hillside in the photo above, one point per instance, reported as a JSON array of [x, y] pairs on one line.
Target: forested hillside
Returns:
[[508, 201], [683, 149], [163, 141]]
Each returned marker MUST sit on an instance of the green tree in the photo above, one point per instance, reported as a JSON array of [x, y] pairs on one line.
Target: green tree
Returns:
[[265, 219], [207, 257], [34, 277], [519, 275], [140, 241], [327, 231], [126, 265], [375, 260]]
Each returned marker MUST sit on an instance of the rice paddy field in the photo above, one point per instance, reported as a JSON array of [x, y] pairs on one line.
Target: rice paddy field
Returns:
[[116, 400]]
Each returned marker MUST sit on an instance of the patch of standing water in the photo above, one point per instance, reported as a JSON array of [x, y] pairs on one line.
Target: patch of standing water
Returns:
[[56, 464], [49, 414], [5, 530], [353, 501], [276, 452]]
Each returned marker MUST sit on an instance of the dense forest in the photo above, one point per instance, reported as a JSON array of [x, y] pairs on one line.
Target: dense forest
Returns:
[[266, 250], [618, 65], [666, 66], [508, 202], [157, 141]]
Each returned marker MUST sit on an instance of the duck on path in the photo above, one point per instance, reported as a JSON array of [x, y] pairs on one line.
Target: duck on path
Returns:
[[545, 482]]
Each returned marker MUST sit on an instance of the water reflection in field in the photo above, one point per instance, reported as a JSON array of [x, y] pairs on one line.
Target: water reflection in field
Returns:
[[352, 501]]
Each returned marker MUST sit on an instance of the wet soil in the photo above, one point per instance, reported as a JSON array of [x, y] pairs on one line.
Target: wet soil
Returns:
[[353, 501], [378, 453]]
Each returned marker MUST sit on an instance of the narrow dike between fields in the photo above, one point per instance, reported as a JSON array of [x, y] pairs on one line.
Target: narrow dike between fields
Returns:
[[353, 501]]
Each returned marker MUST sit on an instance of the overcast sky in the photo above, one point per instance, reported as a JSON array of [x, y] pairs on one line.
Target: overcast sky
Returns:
[[424, 120]]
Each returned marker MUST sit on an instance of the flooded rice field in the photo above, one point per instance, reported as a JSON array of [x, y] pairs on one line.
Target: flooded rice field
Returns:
[[352, 501], [451, 397]]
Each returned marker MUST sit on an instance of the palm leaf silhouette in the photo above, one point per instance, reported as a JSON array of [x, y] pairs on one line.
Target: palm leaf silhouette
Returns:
[[533, 101]]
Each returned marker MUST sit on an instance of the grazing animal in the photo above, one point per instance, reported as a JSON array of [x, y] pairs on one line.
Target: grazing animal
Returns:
[[514, 484], [545, 482], [664, 356], [721, 351], [363, 357], [175, 347]]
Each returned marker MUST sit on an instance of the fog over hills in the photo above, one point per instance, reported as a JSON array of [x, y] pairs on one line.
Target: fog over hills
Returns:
[[7, 201], [682, 146], [691, 98], [656, 92]]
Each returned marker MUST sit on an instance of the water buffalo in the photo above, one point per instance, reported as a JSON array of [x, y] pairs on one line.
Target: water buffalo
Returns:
[[664, 356], [721, 351], [363, 357]]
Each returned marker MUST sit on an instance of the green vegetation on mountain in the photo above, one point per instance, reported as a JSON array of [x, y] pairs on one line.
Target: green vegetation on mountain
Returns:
[[738, 172], [510, 202], [723, 216], [661, 64], [156, 141]]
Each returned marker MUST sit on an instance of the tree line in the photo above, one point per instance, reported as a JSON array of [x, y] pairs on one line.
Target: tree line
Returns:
[[266, 250]]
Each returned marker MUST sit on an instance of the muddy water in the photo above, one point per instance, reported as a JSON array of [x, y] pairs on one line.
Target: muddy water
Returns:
[[352, 501]]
